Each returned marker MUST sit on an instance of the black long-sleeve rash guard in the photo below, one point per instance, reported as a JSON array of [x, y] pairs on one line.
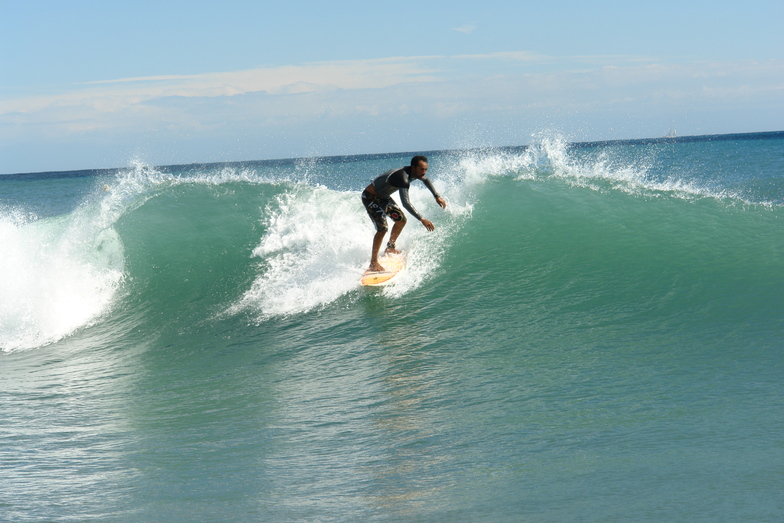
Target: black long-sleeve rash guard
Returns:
[[400, 179]]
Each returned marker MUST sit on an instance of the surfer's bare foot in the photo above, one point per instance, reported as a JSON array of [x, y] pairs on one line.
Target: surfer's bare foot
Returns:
[[376, 267], [391, 247]]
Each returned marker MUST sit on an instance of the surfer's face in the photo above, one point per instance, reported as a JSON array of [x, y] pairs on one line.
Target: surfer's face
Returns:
[[420, 170]]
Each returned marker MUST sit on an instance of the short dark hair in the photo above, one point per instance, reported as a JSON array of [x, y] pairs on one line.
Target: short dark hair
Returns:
[[416, 159]]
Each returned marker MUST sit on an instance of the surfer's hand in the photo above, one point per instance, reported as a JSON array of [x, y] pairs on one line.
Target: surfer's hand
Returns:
[[441, 202], [428, 224]]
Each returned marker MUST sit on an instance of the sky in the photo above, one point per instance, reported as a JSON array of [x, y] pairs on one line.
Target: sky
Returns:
[[102, 84]]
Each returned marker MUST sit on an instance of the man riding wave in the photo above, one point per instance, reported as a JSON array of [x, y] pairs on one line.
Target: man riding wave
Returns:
[[377, 199]]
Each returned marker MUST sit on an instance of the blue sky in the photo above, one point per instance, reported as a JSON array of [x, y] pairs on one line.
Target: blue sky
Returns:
[[92, 84]]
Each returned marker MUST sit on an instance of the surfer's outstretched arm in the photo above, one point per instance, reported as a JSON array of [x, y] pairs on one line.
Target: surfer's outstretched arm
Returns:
[[410, 208]]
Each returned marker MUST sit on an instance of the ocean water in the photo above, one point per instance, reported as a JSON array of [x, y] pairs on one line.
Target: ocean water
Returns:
[[593, 332]]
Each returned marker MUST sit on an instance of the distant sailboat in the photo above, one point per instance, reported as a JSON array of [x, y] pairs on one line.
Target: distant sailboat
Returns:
[[671, 134]]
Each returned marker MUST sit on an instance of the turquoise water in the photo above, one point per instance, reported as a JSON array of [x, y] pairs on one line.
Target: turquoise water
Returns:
[[592, 333]]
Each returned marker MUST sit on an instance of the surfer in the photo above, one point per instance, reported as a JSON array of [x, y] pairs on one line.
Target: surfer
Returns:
[[377, 199]]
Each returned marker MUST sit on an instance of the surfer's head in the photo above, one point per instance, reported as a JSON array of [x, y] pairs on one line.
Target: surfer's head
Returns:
[[419, 166]]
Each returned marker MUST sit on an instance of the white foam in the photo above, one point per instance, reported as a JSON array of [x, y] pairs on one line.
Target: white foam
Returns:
[[317, 245], [550, 156], [60, 274], [56, 275], [311, 252]]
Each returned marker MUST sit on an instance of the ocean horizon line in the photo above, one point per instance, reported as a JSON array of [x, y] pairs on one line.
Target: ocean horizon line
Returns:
[[78, 173]]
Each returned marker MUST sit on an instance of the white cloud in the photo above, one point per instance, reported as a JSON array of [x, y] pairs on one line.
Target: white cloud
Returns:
[[566, 76], [466, 29], [389, 99], [520, 56], [115, 95]]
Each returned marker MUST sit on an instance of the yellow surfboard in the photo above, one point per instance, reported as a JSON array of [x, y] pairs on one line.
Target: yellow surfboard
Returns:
[[393, 263]]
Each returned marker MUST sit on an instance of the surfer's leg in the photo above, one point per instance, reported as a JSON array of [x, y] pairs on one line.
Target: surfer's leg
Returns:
[[394, 212], [396, 230], [378, 239], [376, 213]]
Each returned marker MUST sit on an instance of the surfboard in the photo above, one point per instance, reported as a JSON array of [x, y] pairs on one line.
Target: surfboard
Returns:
[[393, 263]]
